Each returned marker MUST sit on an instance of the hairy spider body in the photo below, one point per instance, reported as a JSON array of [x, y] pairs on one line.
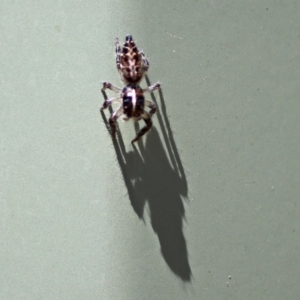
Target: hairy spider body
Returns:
[[131, 62], [132, 65]]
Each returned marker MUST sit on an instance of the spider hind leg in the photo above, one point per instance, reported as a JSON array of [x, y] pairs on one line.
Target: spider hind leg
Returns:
[[147, 118]]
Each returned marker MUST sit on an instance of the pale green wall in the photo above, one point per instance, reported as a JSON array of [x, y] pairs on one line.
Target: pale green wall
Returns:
[[71, 227]]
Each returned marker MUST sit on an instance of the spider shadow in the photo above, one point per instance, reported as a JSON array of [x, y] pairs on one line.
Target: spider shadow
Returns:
[[156, 176]]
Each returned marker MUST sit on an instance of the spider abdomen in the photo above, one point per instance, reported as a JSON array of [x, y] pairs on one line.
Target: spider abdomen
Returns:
[[130, 62]]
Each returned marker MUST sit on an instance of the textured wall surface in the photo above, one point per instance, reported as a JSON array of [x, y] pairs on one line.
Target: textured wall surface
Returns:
[[205, 207]]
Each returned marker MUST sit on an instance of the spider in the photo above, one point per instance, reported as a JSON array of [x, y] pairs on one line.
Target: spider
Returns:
[[132, 65]]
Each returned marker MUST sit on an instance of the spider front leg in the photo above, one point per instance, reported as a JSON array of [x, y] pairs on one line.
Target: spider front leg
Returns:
[[108, 85], [152, 88], [109, 102], [147, 118]]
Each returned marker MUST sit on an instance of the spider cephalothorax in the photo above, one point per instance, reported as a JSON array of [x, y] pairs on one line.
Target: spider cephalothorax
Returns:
[[133, 102], [132, 65]]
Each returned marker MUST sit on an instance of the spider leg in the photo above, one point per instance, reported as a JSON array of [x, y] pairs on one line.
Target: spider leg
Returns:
[[118, 54], [152, 88], [152, 106], [109, 102], [147, 118], [112, 120], [108, 85]]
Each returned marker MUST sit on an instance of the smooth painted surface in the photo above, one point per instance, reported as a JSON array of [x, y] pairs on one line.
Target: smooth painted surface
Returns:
[[207, 207]]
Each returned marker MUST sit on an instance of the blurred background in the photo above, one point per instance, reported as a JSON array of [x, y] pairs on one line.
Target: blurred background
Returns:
[[205, 206]]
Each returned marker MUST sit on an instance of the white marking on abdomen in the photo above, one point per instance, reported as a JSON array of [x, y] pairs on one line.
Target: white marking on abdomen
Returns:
[[132, 93]]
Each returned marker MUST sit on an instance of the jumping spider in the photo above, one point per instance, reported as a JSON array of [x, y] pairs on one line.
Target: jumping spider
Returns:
[[132, 65]]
